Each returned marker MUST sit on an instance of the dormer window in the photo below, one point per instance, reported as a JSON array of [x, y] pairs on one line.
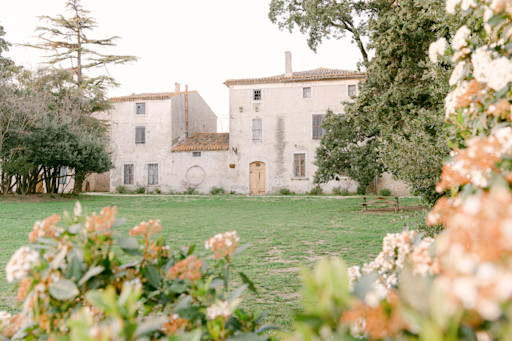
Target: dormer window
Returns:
[[256, 95], [140, 108]]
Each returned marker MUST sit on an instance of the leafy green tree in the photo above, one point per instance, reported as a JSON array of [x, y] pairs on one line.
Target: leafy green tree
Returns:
[[400, 106], [340, 153], [322, 19]]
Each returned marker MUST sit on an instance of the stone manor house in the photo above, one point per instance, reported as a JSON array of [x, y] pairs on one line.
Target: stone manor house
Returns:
[[170, 141]]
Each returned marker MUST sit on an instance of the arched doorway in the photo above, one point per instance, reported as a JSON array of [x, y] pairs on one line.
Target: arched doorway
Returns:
[[257, 178]]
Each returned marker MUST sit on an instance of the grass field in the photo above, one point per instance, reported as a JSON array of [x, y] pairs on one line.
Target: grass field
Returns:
[[285, 232]]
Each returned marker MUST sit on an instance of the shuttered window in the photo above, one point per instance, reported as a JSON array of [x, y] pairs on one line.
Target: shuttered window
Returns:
[[256, 95], [140, 108], [257, 130], [318, 131], [306, 92], [140, 135], [63, 175], [299, 165], [128, 174], [152, 174], [352, 90]]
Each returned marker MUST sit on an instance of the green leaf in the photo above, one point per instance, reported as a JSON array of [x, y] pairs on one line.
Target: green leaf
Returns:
[[129, 245], [364, 285], [63, 290], [150, 325], [497, 19], [75, 228], [152, 276], [216, 283], [74, 269], [249, 283], [242, 248], [237, 293], [93, 271]]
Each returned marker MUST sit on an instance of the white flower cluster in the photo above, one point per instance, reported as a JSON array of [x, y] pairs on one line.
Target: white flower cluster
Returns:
[[20, 263], [397, 247], [377, 293], [228, 238], [4, 316], [458, 73], [437, 49], [451, 100], [460, 39], [464, 5], [221, 308], [497, 73], [480, 286], [473, 163]]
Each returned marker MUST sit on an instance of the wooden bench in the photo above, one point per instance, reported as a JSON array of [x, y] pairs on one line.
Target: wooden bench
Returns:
[[381, 201]]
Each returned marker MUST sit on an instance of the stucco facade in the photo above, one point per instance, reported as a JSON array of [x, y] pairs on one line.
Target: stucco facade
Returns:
[[274, 131], [287, 129], [275, 128], [143, 128]]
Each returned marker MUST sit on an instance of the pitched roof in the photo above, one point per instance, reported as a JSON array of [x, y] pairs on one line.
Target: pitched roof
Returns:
[[301, 76], [203, 141], [148, 96]]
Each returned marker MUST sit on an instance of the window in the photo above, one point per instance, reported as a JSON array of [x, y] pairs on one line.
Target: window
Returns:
[[306, 92], [352, 90], [196, 154], [140, 135], [256, 95], [257, 135], [128, 174], [140, 108], [152, 174], [63, 175], [318, 131], [299, 165]]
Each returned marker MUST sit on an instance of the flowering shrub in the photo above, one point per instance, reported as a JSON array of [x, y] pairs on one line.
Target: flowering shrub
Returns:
[[458, 286], [73, 284]]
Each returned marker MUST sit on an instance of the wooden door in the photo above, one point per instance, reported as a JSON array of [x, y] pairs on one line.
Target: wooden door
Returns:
[[257, 178]]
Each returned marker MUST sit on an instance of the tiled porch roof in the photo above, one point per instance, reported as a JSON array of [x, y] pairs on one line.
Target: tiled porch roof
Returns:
[[203, 141]]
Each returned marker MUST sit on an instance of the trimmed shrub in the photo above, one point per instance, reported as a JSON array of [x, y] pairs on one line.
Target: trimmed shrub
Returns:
[[317, 190], [285, 191], [190, 191], [385, 192], [217, 190], [140, 190], [122, 189]]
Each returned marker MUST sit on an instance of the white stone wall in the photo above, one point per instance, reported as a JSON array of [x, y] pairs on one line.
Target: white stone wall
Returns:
[[209, 170], [164, 122], [287, 129]]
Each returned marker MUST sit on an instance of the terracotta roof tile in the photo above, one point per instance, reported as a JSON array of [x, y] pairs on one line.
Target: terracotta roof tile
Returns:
[[148, 96], [203, 141], [302, 76]]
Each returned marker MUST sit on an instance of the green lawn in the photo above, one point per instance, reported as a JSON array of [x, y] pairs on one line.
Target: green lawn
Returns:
[[286, 233]]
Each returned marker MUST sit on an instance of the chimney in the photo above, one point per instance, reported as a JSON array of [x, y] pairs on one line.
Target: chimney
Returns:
[[288, 64], [177, 87]]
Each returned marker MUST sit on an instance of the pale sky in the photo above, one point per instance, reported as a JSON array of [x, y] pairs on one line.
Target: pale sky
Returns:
[[201, 43]]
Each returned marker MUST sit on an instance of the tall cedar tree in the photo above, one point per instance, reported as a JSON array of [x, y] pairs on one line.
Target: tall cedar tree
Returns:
[[68, 40], [400, 107]]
